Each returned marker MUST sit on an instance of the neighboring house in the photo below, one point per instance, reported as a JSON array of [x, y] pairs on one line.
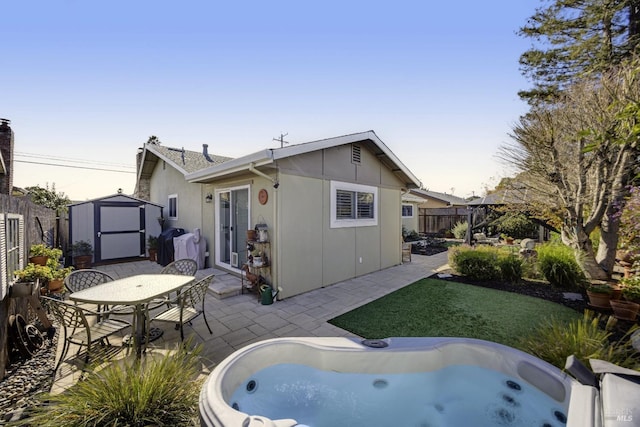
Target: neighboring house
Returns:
[[330, 206], [409, 211], [438, 212]]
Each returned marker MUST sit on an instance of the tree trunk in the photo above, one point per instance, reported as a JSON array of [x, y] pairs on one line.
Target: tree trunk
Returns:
[[609, 227], [583, 249]]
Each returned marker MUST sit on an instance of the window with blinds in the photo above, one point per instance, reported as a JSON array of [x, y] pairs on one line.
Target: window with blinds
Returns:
[[11, 248], [353, 205]]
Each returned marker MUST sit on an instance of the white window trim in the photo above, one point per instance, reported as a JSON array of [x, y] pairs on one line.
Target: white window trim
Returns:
[[412, 210], [347, 186], [5, 281], [169, 197]]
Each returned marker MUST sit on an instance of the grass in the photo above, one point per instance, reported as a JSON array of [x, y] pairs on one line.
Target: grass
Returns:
[[436, 308]]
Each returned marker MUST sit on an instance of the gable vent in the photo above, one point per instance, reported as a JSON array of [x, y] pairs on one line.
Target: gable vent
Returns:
[[356, 154]]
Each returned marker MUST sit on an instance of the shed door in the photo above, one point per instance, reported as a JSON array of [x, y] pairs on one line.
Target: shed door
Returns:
[[120, 230]]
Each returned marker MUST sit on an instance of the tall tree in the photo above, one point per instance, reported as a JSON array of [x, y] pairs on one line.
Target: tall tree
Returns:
[[577, 155], [48, 197], [574, 38]]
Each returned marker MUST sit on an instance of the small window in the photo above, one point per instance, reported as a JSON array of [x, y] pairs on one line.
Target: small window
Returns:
[[353, 205], [407, 211], [173, 206]]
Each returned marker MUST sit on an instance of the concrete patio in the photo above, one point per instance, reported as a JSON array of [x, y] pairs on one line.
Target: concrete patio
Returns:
[[237, 320]]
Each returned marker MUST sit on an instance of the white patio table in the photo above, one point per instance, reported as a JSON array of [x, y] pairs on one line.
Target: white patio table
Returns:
[[136, 291]]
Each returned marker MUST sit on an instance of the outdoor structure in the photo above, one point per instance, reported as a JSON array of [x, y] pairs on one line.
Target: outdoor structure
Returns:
[[117, 226], [437, 212], [329, 209]]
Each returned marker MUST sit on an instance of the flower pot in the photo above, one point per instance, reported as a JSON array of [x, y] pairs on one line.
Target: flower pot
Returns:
[[251, 235], [21, 289], [55, 285], [599, 299], [153, 255], [39, 260], [82, 261], [625, 310]]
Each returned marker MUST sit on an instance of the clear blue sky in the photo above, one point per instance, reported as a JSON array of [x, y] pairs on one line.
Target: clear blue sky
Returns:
[[92, 80]]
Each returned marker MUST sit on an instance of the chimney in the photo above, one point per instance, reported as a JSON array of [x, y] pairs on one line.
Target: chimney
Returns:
[[6, 150], [205, 152]]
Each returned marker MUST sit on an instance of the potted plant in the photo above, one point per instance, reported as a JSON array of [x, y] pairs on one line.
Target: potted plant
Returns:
[[152, 245], [631, 288], [38, 254], [82, 252], [27, 278], [56, 284], [628, 308], [599, 295]]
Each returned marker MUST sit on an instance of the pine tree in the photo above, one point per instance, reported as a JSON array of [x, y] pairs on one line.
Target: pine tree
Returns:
[[575, 38]]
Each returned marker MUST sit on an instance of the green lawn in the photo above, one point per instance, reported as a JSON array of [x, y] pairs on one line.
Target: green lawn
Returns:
[[438, 308]]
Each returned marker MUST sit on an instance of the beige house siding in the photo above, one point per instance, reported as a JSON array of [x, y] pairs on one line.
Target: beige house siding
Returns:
[[311, 253], [410, 223], [165, 181]]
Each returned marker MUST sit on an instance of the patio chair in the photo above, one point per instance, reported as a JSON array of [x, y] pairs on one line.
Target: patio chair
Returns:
[[88, 278], [189, 305], [78, 330], [185, 267]]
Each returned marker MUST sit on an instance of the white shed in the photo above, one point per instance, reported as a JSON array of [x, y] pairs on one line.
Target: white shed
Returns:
[[117, 226]]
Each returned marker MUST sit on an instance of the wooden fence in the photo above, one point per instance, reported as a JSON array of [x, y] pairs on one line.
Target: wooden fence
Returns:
[[41, 225], [438, 221]]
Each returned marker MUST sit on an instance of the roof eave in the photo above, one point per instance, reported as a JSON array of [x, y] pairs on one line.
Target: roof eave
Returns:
[[239, 164]]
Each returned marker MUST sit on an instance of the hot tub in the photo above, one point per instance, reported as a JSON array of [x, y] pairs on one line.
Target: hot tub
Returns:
[[430, 382]]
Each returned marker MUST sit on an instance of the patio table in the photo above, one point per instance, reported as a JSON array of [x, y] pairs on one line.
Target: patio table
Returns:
[[136, 291]]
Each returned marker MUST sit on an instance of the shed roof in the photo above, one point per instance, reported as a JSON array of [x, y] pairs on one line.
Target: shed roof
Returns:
[[501, 197], [269, 156], [113, 196]]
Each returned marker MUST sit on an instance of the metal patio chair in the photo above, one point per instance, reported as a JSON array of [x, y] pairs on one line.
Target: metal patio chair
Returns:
[[78, 330], [186, 267], [189, 305]]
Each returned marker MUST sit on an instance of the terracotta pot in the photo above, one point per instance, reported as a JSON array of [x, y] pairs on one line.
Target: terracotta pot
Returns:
[[599, 299], [625, 310], [55, 285], [39, 260], [153, 255], [251, 235]]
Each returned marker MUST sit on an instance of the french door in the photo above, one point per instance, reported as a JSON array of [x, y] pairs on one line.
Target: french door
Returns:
[[232, 223]]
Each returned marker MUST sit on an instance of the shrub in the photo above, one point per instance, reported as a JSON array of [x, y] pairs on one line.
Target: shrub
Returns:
[[554, 341], [459, 229], [510, 267], [477, 264], [558, 265], [156, 391], [515, 224]]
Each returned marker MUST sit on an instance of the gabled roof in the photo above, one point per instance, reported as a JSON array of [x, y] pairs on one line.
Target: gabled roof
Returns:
[[182, 160], [501, 197], [444, 197], [269, 156]]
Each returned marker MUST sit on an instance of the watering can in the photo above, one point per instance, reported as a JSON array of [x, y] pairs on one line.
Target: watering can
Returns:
[[267, 294]]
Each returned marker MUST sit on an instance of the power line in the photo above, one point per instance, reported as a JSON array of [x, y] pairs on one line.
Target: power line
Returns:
[[72, 166], [69, 159]]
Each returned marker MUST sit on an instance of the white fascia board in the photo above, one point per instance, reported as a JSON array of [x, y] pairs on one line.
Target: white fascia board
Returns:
[[239, 164], [295, 150], [162, 157]]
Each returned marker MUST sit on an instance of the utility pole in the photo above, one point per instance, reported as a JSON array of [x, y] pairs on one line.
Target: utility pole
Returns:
[[281, 139]]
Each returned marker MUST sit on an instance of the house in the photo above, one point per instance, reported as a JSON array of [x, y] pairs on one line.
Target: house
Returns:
[[330, 207], [437, 212]]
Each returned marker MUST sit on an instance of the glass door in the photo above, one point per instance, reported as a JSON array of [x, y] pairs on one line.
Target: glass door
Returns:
[[233, 223]]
